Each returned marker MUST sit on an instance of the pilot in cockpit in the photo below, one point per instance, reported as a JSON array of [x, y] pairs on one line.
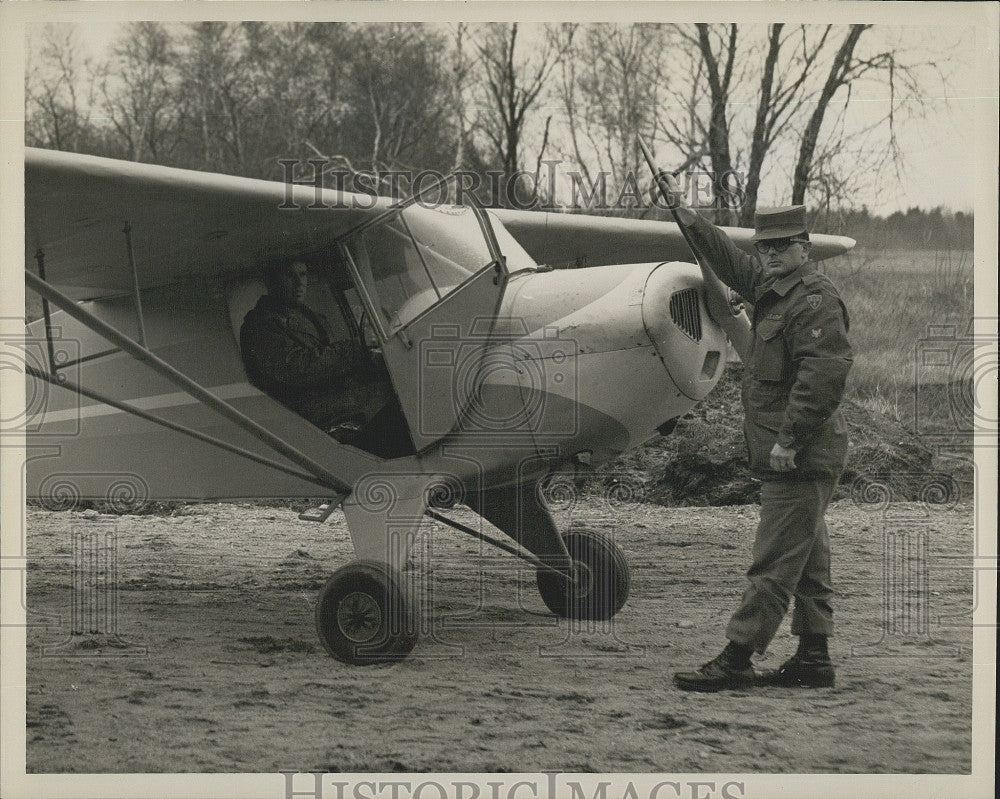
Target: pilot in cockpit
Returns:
[[289, 353]]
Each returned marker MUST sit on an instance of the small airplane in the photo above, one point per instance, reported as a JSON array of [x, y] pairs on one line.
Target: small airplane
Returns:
[[506, 367]]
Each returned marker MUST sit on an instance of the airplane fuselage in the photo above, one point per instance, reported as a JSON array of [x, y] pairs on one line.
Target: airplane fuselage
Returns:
[[580, 366]]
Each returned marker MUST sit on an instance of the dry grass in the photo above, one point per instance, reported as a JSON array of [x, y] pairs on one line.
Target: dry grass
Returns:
[[893, 298]]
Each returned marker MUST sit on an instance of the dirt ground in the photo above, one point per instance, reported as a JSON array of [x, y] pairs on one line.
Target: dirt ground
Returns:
[[216, 666]]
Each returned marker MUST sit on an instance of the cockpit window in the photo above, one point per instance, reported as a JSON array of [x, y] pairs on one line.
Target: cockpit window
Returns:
[[411, 260]]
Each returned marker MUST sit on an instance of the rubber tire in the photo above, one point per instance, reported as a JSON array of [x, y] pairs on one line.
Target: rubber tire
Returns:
[[379, 590], [609, 581]]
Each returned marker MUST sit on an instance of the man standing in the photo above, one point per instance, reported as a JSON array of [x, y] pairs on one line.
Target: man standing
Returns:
[[793, 382]]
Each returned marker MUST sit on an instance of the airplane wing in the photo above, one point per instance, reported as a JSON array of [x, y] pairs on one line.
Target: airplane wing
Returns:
[[560, 239], [183, 223]]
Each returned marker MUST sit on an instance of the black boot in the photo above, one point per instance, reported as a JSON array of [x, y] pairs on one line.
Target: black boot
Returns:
[[731, 669], [809, 667]]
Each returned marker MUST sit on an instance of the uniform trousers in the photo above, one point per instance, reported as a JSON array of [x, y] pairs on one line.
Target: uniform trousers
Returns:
[[791, 557]]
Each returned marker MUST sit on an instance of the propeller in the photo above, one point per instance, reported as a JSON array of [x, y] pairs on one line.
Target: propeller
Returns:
[[732, 319]]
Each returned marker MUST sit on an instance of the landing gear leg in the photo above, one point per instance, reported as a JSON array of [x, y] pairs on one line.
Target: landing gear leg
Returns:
[[587, 575]]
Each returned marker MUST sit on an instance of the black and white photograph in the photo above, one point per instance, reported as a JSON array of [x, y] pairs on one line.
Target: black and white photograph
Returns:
[[499, 400]]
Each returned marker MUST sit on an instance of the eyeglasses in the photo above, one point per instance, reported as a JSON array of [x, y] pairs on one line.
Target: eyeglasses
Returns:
[[778, 245]]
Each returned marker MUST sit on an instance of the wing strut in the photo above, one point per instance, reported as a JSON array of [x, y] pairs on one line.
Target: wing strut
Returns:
[[163, 368], [40, 259], [127, 230]]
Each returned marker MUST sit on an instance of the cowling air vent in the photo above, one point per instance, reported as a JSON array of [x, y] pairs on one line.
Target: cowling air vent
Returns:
[[685, 313]]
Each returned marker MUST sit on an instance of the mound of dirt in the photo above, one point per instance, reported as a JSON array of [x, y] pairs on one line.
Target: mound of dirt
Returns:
[[703, 461]]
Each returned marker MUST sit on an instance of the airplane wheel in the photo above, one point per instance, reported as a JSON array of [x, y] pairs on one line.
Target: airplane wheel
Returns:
[[363, 615], [600, 582]]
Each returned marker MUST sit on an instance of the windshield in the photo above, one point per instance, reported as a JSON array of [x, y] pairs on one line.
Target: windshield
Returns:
[[412, 259]]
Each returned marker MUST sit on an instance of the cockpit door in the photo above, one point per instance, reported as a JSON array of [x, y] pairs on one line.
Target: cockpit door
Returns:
[[432, 279]]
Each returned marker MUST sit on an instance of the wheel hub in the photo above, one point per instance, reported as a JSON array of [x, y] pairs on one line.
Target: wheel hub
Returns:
[[581, 579], [359, 617]]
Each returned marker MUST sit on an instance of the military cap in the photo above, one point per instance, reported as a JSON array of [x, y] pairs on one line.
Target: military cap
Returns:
[[779, 223]]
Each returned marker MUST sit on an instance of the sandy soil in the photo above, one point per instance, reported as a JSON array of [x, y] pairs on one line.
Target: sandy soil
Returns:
[[217, 666]]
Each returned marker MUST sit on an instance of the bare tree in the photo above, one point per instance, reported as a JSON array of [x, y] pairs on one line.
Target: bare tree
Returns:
[[902, 73], [612, 82], [59, 92], [137, 89], [780, 98], [719, 58], [771, 101], [682, 126], [841, 72], [372, 99], [513, 84], [300, 107], [239, 98], [461, 68], [619, 82], [796, 75], [220, 88], [399, 92]]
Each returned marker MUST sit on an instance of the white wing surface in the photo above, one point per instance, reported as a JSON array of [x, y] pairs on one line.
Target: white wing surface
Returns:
[[183, 223], [560, 239]]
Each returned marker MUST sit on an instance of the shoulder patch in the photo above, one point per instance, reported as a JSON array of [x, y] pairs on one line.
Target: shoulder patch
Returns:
[[814, 300]]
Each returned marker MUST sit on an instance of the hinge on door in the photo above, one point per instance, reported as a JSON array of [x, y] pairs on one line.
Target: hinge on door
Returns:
[[405, 339]]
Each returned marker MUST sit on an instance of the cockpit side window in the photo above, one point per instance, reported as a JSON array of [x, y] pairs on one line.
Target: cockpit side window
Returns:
[[387, 255], [411, 260]]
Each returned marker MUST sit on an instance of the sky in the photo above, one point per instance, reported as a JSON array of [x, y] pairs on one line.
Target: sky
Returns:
[[938, 166]]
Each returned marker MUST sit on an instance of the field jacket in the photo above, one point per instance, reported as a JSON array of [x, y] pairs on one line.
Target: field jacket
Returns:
[[288, 353], [793, 380]]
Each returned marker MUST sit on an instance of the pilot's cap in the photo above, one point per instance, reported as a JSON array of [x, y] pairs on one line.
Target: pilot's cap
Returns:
[[779, 223]]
